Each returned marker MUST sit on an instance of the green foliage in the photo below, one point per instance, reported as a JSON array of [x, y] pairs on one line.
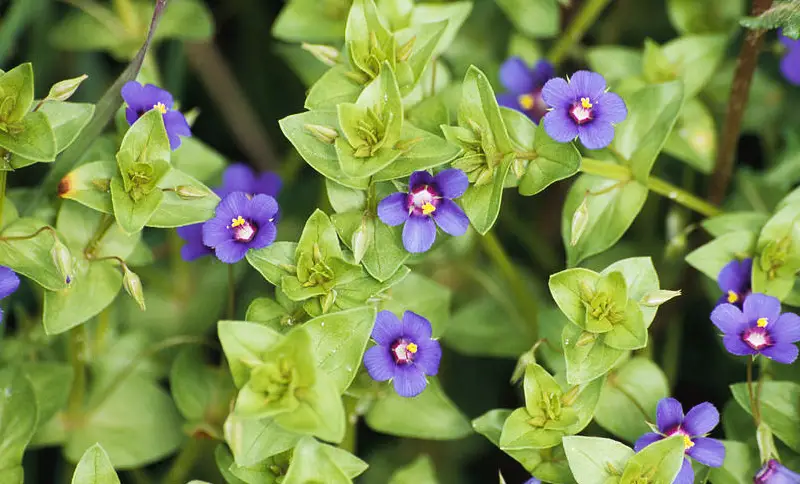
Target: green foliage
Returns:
[[545, 11], [784, 14], [779, 409], [95, 468], [420, 471], [594, 460]]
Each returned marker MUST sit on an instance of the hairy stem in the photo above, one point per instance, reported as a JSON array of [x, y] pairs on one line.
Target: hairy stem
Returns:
[[740, 91], [576, 30]]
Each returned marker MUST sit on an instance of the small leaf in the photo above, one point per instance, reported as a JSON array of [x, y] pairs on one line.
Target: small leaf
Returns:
[[32, 138], [16, 93], [31, 256], [594, 460], [713, 256], [545, 11], [780, 408], [419, 471], [660, 462], [17, 399], [95, 468], [784, 14]]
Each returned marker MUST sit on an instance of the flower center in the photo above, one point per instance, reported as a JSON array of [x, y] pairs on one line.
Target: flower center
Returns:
[[758, 337], [403, 351], [160, 107], [423, 201], [243, 230], [533, 104], [527, 101], [766, 473], [687, 439], [581, 112], [732, 296]]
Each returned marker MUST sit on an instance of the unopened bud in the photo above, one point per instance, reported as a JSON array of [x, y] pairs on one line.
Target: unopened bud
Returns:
[[62, 258], [580, 219], [766, 442], [326, 134], [189, 192], [572, 395], [659, 297], [485, 177], [585, 338], [328, 300], [360, 243], [518, 167], [102, 184], [63, 90], [324, 53], [133, 285]]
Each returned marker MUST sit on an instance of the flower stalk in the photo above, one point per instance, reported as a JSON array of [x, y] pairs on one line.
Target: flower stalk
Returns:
[[577, 29]]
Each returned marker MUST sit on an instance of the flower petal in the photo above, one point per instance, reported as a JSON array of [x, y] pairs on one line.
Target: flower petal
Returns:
[[393, 210], [451, 218], [451, 183], [587, 84], [610, 108], [669, 414], [419, 233], [761, 306], [729, 319], [238, 177], [387, 329], [419, 178], [231, 251], [194, 247], [261, 208], [701, 419], [735, 346], [176, 126], [560, 126], [409, 381], [557, 93], [416, 328], [268, 183], [735, 276], [429, 354], [786, 329], [216, 231], [379, 363], [152, 95], [9, 282], [790, 66], [785, 353], [510, 101], [131, 116], [132, 95], [707, 451], [686, 474], [543, 71], [516, 76], [232, 206], [264, 236], [596, 134], [646, 440]]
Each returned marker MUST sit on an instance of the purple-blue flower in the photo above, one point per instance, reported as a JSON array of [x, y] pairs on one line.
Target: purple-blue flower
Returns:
[[774, 473], [141, 99], [734, 282], [241, 223], [194, 248], [758, 328], [239, 177], [9, 282], [698, 422], [524, 86], [532, 480], [429, 199], [790, 64], [404, 353], [581, 107]]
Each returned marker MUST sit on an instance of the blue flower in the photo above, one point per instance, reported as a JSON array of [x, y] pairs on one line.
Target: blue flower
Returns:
[[429, 199], [758, 328], [582, 108], [405, 352], [241, 223], [734, 282], [774, 473], [141, 99], [790, 64], [239, 177], [524, 86], [693, 427], [194, 248], [9, 282]]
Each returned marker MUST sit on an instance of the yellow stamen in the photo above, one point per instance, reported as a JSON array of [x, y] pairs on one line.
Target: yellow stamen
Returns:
[[687, 442], [526, 101], [586, 103], [238, 221], [732, 297], [411, 348], [160, 107], [762, 322], [428, 208]]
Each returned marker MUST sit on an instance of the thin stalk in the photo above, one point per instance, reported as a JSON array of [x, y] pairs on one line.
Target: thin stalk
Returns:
[[755, 408], [77, 358], [614, 171], [185, 461], [524, 298], [105, 223], [178, 266], [3, 178], [349, 443], [231, 292], [100, 334], [740, 91], [576, 30]]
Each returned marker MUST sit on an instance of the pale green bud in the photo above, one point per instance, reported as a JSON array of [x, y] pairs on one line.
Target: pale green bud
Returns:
[[63, 90], [133, 285]]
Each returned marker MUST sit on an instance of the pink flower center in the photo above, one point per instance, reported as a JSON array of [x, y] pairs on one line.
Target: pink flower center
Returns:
[[423, 200], [765, 474], [757, 338], [582, 111], [687, 439], [243, 230], [403, 351]]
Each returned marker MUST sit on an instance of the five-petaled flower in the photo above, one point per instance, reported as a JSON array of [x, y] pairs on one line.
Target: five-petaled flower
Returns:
[[141, 99], [581, 107], [524, 86], [429, 199], [790, 64], [758, 328], [533, 480], [774, 473], [405, 352], [241, 223], [9, 282], [698, 422], [734, 282]]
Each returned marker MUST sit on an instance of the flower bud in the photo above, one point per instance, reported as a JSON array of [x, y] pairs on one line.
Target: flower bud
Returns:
[[360, 243], [62, 259], [189, 192], [585, 338], [580, 219], [133, 285], [659, 297], [326, 134], [766, 442], [485, 177], [324, 53], [63, 90], [572, 395], [328, 300]]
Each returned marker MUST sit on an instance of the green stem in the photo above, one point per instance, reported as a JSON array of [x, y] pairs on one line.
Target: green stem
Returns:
[[105, 223], [77, 357], [755, 409], [183, 464], [349, 443], [672, 351], [524, 298], [3, 178], [103, 320], [576, 30], [614, 171], [231, 292], [178, 266]]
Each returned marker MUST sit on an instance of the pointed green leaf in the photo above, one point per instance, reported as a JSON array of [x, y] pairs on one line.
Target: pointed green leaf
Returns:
[[31, 257], [658, 463], [95, 468], [16, 93], [32, 138], [594, 460]]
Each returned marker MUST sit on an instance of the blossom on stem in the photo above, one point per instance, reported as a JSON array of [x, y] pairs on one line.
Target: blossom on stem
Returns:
[[758, 328], [582, 107], [693, 427], [141, 99], [239, 177], [9, 282], [404, 353], [241, 223], [790, 64], [428, 203], [774, 473], [533, 480], [524, 86], [734, 282], [194, 248]]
